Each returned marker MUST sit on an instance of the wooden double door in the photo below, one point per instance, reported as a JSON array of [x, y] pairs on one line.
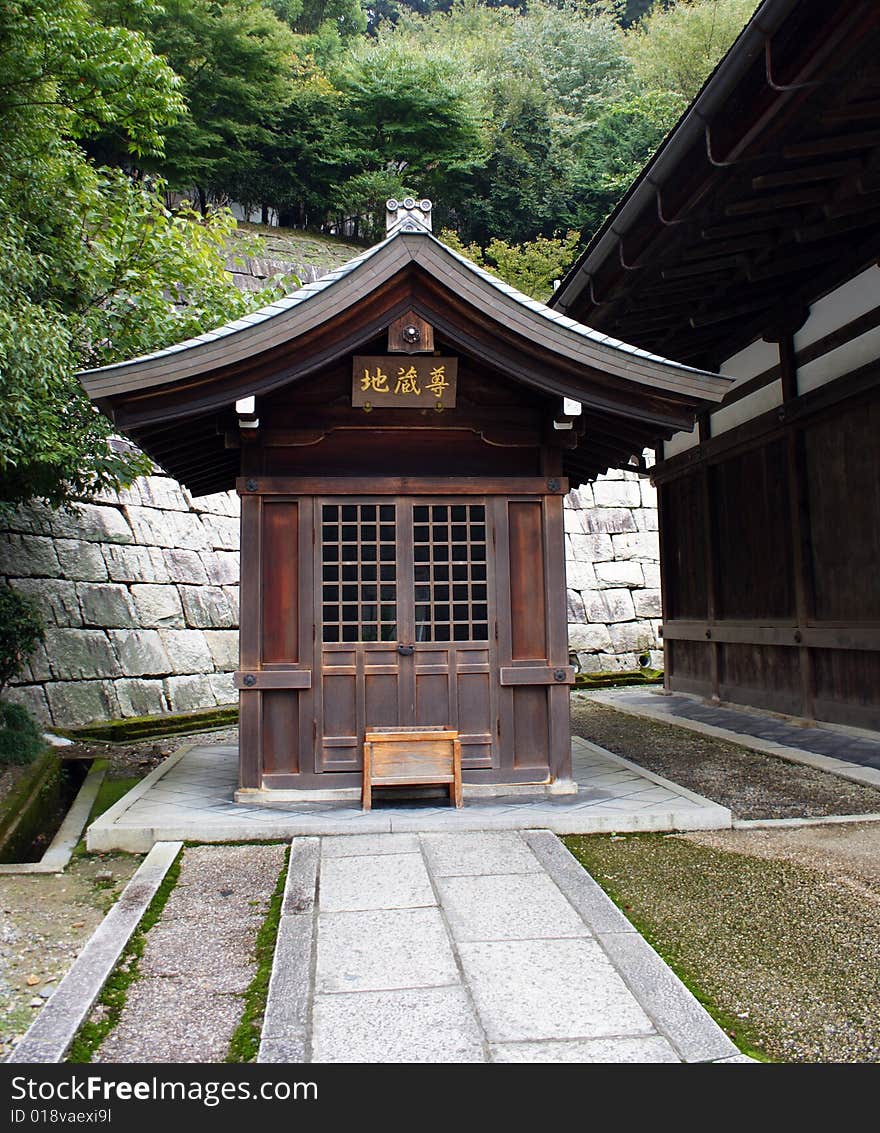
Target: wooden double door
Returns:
[[362, 611], [405, 623]]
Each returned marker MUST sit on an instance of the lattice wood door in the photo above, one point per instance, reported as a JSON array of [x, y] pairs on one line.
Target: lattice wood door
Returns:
[[405, 623]]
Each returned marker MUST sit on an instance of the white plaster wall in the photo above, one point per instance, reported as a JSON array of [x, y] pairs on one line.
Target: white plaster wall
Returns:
[[840, 306], [761, 401]]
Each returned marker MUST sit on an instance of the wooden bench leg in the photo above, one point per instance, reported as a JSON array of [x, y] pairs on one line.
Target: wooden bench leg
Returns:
[[455, 787], [367, 788]]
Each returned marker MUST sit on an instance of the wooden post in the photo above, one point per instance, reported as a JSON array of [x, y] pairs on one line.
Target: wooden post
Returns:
[[800, 521], [712, 565], [250, 634]]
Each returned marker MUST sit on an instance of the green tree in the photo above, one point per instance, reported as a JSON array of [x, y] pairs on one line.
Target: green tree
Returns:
[[407, 113], [235, 61], [21, 629], [95, 267], [531, 267], [576, 56], [607, 154], [675, 47]]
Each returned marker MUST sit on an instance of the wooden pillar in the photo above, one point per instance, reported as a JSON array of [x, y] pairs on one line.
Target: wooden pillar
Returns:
[[800, 527], [250, 633], [559, 707], [711, 563], [659, 455]]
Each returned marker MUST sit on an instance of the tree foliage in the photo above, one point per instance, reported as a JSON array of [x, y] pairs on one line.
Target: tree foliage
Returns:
[[676, 47], [525, 121], [21, 630], [532, 267], [95, 267]]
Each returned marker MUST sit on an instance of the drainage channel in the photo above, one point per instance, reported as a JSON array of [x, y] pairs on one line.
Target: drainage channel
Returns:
[[52, 817]]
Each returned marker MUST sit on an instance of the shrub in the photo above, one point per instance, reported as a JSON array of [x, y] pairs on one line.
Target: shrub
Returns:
[[20, 738], [21, 627]]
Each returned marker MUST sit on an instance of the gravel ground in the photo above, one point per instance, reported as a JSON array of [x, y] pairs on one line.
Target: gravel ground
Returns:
[[198, 960], [44, 922], [779, 929], [750, 783]]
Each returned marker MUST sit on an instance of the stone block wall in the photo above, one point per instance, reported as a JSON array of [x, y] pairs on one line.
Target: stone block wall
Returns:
[[613, 573], [140, 594]]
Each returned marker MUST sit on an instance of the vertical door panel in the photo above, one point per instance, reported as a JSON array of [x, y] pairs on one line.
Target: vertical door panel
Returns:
[[405, 616], [357, 582], [280, 726], [280, 582]]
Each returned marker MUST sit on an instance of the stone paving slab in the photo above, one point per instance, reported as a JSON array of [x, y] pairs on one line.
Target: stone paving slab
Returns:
[[549, 989], [381, 949], [451, 855], [526, 906], [414, 1025], [375, 881], [355, 845], [645, 1048]]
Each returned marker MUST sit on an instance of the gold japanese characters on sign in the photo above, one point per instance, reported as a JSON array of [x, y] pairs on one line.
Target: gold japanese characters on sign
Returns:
[[398, 381]]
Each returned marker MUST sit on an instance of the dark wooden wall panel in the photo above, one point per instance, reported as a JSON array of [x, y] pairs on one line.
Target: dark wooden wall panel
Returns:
[[684, 549], [382, 701], [528, 619], [340, 711], [847, 683], [280, 731], [401, 452], [280, 582], [751, 513], [842, 459], [768, 674], [531, 725], [688, 659], [432, 699]]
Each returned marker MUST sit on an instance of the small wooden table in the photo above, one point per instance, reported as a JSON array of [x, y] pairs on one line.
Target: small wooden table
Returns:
[[410, 757]]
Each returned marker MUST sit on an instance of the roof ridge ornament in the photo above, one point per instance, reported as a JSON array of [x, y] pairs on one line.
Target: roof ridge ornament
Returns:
[[408, 215]]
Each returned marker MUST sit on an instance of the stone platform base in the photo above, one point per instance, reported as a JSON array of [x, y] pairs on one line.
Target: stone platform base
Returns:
[[192, 797]]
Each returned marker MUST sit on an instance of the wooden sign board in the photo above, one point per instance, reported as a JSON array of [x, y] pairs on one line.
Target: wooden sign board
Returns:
[[408, 382]]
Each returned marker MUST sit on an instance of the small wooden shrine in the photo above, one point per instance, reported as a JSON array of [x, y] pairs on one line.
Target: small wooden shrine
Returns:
[[402, 434]]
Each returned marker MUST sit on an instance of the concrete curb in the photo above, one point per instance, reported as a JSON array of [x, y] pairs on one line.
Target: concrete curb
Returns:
[[678, 1015], [789, 823], [866, 776], [106, 820], [285, 1020], [51, 1033], [56, 857]]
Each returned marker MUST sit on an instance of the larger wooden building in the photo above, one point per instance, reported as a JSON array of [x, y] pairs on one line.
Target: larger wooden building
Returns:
[[402, 434], [749, 245]]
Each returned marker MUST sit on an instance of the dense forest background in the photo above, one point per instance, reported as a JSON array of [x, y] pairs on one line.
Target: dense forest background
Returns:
[[520, 120], [523, 121]]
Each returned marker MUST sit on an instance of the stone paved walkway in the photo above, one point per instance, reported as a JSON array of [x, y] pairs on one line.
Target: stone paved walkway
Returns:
[[468, 947], [190, 797], [860, 749]]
